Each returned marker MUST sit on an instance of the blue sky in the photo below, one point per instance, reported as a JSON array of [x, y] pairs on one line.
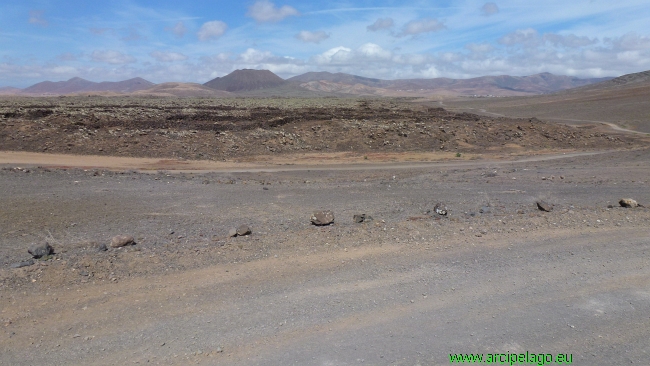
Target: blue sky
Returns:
[[197, 40]]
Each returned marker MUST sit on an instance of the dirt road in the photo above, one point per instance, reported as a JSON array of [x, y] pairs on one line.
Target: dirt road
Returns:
[[494, 276]]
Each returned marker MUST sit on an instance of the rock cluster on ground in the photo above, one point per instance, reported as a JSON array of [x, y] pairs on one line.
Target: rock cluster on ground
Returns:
[[235, 128]]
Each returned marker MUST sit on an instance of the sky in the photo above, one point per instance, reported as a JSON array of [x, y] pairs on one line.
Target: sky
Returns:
[[198, 40]]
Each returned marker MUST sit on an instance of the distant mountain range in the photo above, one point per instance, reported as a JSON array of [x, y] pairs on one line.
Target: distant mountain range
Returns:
[[264, 82], [79, 85]]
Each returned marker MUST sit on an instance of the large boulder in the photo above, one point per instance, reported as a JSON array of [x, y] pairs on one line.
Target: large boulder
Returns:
[[321, 218], [40, 250]]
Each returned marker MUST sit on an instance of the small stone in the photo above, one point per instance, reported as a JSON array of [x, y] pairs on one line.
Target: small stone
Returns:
[[543, 206], [440, 209], [102, 247], [232, 232], [40, 250], [359, 218], [243, 230], [321, 218], [23, 264], [628, 202], [119, 241]]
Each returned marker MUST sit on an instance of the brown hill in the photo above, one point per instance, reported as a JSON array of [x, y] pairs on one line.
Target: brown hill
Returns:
[[183, 90], [246, 79], [79, 85], [503, 85], [338, 78], [622, 101], [9, 90]]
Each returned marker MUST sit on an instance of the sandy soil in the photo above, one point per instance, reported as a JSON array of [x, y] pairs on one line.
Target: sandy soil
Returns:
[[495, 275]]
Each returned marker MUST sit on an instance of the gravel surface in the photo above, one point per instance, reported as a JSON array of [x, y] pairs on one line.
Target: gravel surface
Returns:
[[407, 288]]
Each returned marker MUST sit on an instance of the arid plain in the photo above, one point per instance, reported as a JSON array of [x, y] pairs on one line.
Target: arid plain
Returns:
[[495, 274]]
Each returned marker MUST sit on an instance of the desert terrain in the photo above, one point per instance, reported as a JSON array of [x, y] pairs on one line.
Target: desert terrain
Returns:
[[457, 256]]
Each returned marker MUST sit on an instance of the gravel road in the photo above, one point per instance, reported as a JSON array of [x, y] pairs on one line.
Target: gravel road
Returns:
[[496, 275]]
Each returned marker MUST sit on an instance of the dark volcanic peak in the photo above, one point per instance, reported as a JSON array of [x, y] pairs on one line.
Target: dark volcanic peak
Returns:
[[79, 85], [246, 79]]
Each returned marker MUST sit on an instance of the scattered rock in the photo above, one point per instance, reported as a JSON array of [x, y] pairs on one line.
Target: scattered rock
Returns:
[[23, 264], [119, 241], [359, 218], [440, 209], [102, 247], [243, 230], [232, 233], [628, 202], [40, 250], [321, 218], [544, 206]]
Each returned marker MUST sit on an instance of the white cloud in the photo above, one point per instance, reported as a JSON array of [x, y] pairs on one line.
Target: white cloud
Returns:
[[334, 55], [168, 56], [179, 29], [570, 40], [489, 9], [314, 37], [112, 57], [528, 37], [373, 51], [426, 25], [479, 47], [212, 30], [36, 17], [253, 56], [630, 41], [381, 23], [265, 11]]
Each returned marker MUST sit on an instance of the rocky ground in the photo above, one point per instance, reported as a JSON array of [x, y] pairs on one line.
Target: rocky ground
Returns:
[[408, 287], [218, 129]]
